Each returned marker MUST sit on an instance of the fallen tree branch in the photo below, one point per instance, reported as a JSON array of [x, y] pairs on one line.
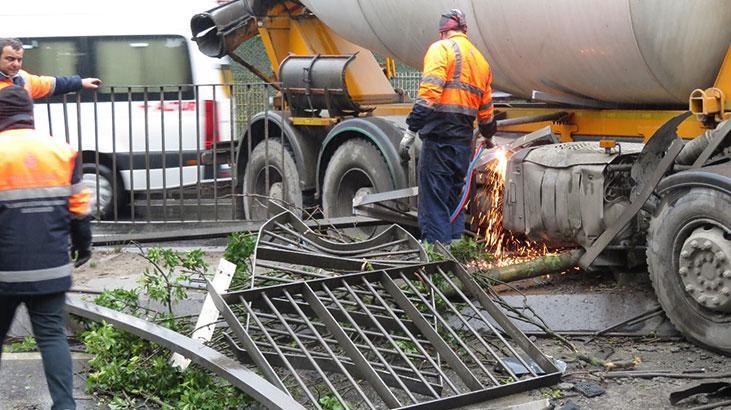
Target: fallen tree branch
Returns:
[[551, 263]]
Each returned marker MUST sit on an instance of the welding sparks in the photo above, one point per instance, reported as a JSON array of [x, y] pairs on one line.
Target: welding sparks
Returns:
[[506, 247]]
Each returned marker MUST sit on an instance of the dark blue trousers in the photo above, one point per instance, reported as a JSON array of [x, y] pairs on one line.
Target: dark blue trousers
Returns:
[[442, 169], [47, 318]]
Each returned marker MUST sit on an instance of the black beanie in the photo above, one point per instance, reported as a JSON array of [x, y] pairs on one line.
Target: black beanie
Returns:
[[16, 108]]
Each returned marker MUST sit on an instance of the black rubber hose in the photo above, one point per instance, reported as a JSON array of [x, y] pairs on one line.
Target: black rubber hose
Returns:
[[693, 149]]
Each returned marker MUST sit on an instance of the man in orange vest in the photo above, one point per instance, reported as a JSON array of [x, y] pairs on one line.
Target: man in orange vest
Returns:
[[11, 73], [43, 204], [455, 89]]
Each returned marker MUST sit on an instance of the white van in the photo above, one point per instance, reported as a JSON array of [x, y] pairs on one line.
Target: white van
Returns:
[[149, 132]]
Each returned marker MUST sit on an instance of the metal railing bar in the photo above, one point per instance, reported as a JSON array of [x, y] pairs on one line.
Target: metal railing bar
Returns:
[[232, 136], [180, 152], [508, 326], [263, 278], [50, 119], [299, 343], [115, 186], [67, 133], [402, 371], [300, 362], [365, 331], [349, 346], [333, 328], [244, 337], [436, 341], [393, 343], [216, 135], [282, 140], [334, 251], [466, 322], [248, 138], [384, 320], [164, 156], [96, 149], [131, 156], [451, 331], [317, 260], [147, 152], [286, 268], [196, 93], [387, 253], [267, 170]]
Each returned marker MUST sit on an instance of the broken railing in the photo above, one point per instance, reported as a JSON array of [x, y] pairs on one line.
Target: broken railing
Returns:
[[369, 324], [289, 250], [383, 327]]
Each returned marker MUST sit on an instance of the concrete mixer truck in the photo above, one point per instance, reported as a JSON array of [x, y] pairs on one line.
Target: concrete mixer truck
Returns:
[[635, 95]]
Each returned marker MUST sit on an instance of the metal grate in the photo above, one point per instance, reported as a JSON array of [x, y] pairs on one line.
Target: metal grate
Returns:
[[323, 338], [288, 250]]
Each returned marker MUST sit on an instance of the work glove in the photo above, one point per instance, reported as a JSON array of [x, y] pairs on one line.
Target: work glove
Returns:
[[488, 143], [80, 256], [80, 230], [406, 141]]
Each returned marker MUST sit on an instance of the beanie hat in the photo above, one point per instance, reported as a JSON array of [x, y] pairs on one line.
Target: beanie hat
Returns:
[[16, 108], [453, 20]]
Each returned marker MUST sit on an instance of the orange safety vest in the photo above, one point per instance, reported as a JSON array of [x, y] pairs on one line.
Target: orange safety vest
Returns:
[[38, 86], [457, 79], [40, 190]]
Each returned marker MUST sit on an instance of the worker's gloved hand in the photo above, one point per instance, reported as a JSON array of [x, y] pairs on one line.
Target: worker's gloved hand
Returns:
[[80, 256], [488, 143], [80, 230], [405, 146]]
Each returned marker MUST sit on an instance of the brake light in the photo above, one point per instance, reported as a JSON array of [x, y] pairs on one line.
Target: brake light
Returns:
[[211, 132]]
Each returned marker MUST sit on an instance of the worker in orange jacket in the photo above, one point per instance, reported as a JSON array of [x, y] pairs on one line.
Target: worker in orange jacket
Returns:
[[455, 89], [43, 204], [11, 73]]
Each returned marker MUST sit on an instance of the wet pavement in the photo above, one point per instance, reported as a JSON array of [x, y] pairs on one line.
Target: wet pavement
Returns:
[[23, 384]]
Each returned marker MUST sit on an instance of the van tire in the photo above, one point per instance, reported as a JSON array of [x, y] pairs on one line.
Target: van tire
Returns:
[[105, 209], [284, 180]]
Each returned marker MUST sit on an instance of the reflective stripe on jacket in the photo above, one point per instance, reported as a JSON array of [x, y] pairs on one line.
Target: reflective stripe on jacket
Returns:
[[456, 80], [40, 191], [40, 86]]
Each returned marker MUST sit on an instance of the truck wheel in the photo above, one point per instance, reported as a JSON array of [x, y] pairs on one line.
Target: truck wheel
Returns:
[[356, 168], [102, 199], [283, 180], [689, 257]]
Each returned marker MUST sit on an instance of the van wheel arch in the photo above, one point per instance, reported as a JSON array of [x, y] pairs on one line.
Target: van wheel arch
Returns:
[[107, 181]]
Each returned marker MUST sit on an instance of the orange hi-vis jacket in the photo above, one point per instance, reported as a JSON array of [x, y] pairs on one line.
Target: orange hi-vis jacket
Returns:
[[456, 80], [40, 191], [40, 86]]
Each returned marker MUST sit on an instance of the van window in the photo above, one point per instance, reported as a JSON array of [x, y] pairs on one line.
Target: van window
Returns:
[[118, 61], [143, 61], [53, 56]]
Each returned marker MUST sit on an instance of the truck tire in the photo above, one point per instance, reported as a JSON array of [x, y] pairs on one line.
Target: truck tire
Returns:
[[283, 180], [356, 168], [102, 201], [687, 255]]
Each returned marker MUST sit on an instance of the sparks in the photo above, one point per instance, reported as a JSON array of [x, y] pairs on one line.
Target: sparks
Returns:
[[506, 247]]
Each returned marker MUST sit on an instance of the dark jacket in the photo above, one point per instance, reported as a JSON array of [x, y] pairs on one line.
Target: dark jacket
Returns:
[[42, 201]]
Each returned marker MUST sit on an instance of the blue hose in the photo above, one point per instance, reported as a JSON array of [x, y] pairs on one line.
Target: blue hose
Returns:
[[467, 184]]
